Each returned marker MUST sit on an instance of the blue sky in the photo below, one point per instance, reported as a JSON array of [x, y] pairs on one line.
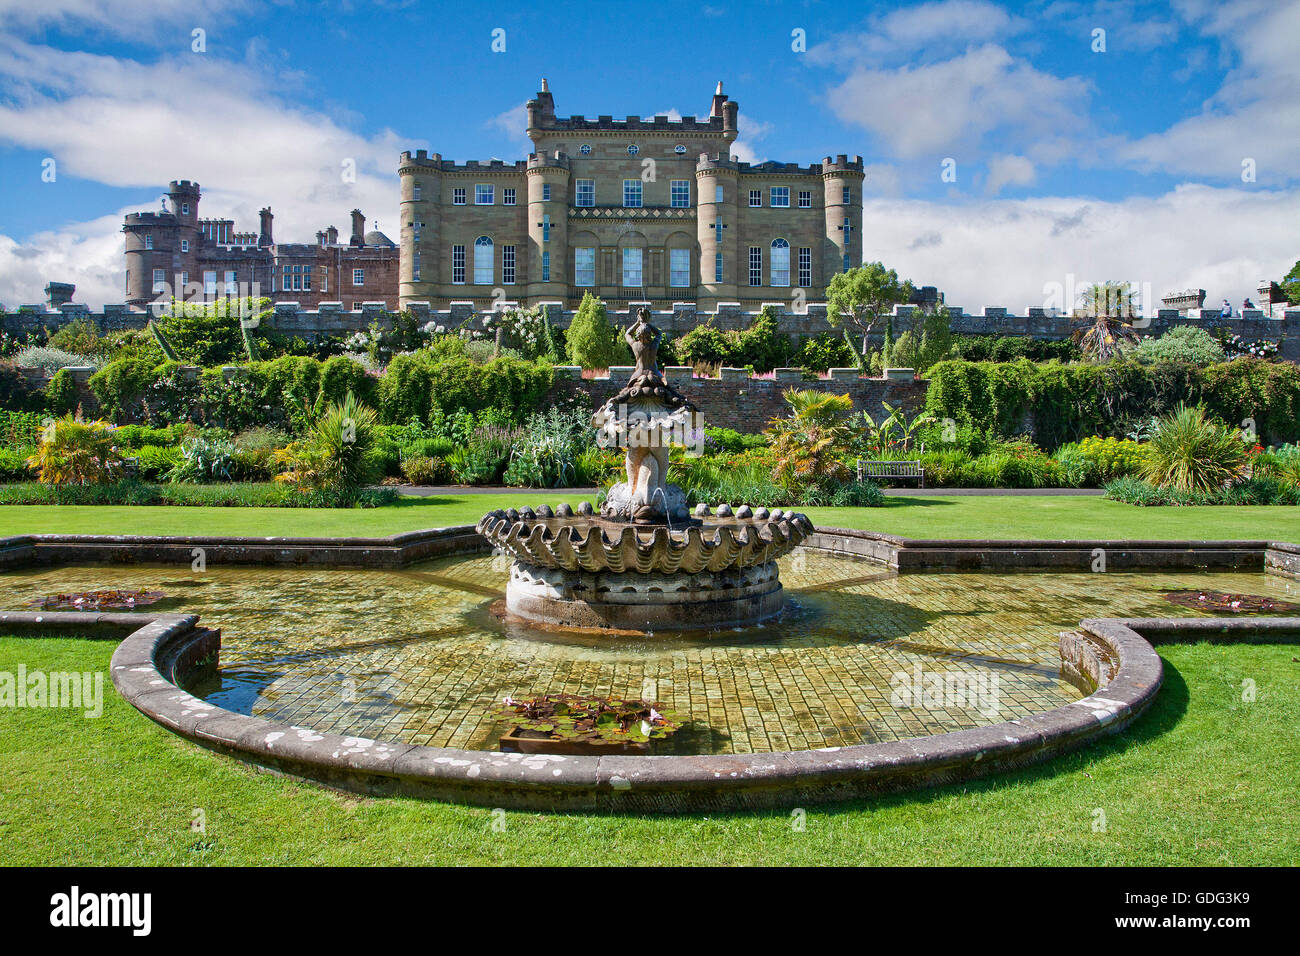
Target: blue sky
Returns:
[[1122, 163]]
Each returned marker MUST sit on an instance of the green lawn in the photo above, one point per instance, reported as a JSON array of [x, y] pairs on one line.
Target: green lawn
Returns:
[[956, 516], [1203, 778]]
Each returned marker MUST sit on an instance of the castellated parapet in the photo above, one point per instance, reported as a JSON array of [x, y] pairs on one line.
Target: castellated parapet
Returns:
[[628, 210]]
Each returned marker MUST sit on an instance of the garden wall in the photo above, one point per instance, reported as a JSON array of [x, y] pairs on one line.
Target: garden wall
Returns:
[[749, 404], [330, 319]]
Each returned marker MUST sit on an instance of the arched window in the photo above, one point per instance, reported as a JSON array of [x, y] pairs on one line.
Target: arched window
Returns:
[[779, 264], [483, 266]]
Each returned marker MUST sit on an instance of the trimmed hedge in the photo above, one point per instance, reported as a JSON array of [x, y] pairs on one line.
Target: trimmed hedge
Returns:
[[1058, 403], [261, 495]]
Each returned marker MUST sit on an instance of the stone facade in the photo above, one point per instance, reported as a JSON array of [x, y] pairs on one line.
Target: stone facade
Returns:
[[175, 253], [630, 210]]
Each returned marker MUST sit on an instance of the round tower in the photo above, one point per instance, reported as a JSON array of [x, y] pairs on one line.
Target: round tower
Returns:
[[420, 259], [150, 239], [548, 228], [842, 198], [716, 229]]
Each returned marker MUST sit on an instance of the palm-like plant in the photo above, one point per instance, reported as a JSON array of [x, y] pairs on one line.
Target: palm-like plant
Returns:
[[1109, 304], [336, 456], [1192, 453], [810, 445], [77, 453]]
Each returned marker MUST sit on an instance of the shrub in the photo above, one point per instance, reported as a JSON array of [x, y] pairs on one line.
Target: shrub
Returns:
[[235, 495], [16, 391], [592, 341], [1253, 491], [483, 460], [61, 393], [336, 458], [77, 453], [546, 453], [203, 460], [1185, 343], [20, 429], [156, 461], [80, 337], [824, 351], [1191, 453], [1096, 461], [338, 377], [120, 385], [14, 466], [52, 359], [422, 470], [731, 441], [811, 445]]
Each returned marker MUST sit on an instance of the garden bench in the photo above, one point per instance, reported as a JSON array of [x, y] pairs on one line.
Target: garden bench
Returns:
[[891, 469]]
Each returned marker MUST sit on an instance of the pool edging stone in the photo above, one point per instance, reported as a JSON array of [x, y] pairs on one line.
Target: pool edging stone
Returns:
[[155, 657]]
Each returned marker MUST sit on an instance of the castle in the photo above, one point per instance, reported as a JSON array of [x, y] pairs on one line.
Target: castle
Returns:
[[630, 210], [174, 253]]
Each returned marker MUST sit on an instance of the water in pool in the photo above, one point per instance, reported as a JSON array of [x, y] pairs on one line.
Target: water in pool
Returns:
[[416, 655]]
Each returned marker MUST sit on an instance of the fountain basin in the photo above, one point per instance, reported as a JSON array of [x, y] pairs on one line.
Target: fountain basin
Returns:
[[587, 571]]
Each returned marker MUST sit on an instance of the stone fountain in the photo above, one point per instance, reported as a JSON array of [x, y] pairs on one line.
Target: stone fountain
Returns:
[[645, 562]]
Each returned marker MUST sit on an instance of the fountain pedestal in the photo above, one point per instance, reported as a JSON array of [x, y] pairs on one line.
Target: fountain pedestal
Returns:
[[644, 563]]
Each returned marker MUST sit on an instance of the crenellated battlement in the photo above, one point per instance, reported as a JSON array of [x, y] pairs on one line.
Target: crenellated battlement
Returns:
[[330, 318]]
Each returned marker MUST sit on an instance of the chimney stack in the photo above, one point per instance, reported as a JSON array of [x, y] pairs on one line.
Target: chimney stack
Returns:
[[332, 236], [358, 228], [265, 238]]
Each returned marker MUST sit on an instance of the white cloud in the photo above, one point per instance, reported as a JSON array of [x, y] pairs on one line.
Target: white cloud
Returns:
[[921, 110], [135, 19], [1003, 252], [749, 133], [88, 254], [1254, 114], [1009, 171], [947, 25]]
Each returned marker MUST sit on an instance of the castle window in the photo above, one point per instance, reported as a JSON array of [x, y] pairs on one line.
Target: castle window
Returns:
[[585, 149], [508, 265], [358, 277], [210, 283], [755, 265], [415, 229], [287, 284], [546, 228], [805, 265], [846, 262], [546, 267], [483, 264], [848, 228], [232, 282], [415, 192], [632, 268], [633, 150], [679, 267], [508, 196], [484, 194], [584, 192], [185, 280], [717, 267], [415, 267], [679, 149], [780, 198], [185, 209], [805, 199], [148, 242], [584, 266], [159, 282], [848, 196], [458, 265], [632, 194], [306, 278], [185, 245], [681, 194], [719, 194], [458, 196], [717, 230], [780, 263], [756, 197], [546, 192]]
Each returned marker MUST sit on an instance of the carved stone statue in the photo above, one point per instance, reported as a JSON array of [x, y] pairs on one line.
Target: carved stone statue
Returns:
[[646, 417]]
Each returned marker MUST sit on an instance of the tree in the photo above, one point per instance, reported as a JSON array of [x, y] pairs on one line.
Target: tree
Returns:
[[860, 298], [1109, 304], [1290, 285], [592, 342]]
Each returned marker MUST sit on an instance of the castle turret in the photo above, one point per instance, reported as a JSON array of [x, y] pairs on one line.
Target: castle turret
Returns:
[[548, 226], [842, 195], [419, 237], [716, 225]]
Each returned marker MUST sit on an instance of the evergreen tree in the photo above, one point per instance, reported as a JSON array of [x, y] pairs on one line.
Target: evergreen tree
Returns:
[[592, 341]]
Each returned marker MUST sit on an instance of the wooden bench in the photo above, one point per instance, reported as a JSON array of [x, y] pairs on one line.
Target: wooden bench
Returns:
[[891, 469]]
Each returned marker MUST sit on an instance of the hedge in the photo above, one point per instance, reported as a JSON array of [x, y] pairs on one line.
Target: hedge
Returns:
[[1058, 403]]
